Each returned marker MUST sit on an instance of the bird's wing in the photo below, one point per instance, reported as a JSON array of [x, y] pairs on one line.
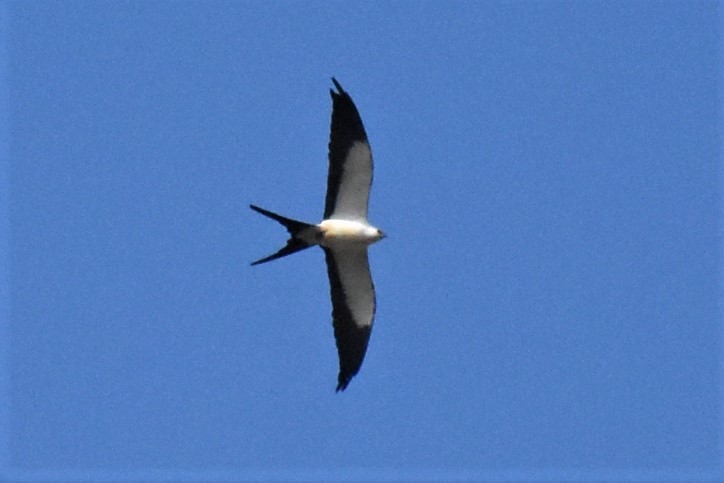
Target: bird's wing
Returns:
[[353, 307], [350, 161]]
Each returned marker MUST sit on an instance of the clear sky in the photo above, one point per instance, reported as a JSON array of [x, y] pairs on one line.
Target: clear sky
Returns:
[[549, 297]]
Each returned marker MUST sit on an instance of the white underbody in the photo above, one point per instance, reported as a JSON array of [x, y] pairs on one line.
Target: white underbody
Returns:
[[335, 233]]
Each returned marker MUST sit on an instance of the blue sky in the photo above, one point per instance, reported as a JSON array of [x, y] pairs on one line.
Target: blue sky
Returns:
[[549, 177]]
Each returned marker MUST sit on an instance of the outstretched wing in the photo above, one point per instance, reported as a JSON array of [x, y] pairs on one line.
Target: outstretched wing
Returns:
[[350, 161], [353, 307]]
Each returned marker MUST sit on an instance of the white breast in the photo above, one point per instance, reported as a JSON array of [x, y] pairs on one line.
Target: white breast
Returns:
[[337, 233]]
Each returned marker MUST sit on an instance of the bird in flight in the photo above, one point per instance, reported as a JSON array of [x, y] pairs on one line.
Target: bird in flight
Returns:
[[344, 234]]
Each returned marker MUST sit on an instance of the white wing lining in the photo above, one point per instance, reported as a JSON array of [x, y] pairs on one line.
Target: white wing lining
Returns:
[[354, 184], [356, 280]]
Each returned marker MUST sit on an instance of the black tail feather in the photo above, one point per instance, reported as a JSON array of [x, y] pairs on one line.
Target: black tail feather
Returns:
[[293, 245], [294, 227]]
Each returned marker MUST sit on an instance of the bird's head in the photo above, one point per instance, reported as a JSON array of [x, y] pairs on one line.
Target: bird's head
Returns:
[[373, 234]]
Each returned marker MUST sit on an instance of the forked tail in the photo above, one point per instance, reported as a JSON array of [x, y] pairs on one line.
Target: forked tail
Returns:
[[294, 227]]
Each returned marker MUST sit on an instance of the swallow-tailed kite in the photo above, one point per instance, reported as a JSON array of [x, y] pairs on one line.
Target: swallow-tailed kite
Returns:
[[344, 234]]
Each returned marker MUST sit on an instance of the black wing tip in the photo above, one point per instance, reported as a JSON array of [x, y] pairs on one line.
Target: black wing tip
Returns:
[[343, 381], [340, 90], [341, 93]]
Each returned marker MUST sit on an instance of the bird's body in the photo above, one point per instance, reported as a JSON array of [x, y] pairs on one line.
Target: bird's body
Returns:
[[344, 234]]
